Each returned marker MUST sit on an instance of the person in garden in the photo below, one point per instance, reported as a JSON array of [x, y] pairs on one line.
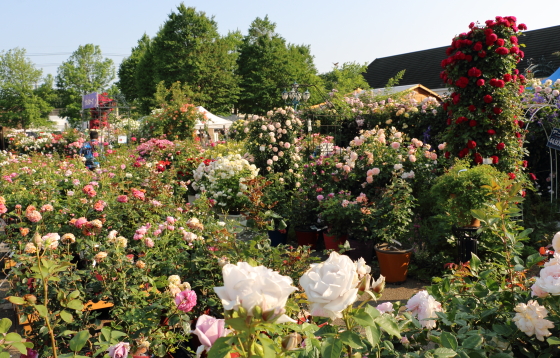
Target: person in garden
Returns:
[[89, 151]]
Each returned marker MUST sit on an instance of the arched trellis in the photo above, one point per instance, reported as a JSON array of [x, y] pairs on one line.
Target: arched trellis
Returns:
[[532, 110]]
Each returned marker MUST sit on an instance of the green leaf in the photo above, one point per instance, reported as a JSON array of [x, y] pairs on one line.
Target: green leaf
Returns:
[[5, 324], [42, 310], [220, 348], [5, 355], [16, 300], [326, 330], [500, 355], [372, 311], [66, 316], [75, 305], [472, 342], [553, 341], [363, 318], [373, 334], [237, 323], [448, 340], [331, 348], [502, 330], [79, 341], [20, 347], [388, 325], [351, 339], [268, 346], [533, 260], [74, 294], [480, 291], [475, 263], [444, 353], [12, 337]]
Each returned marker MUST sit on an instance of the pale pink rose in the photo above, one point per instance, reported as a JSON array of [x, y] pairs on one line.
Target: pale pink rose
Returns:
[[433, 156], [47, 207], [549, 280], [530, 318], [339, 165], [119, 350], [412, 158], [3, 209], [386, 307], [123, 166], [287, 145], [346, 168], [442, 146], [369, 179], [185, 300], [320, 197], [149, 242], [556, 242], [537, 291], [424, 306], [34, 216], [170, 220], [375, 171], [395, 145], [80, 222], [209, 329]]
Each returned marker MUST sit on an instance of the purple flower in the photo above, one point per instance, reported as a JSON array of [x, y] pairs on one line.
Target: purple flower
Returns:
[[119, 350]]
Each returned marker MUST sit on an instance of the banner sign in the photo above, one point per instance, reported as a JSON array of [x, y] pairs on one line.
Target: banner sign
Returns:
[[554, 139], [122, 139], [89, 100]]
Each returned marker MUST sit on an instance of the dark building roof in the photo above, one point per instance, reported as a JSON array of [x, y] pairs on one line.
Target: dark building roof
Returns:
[[424, 67]]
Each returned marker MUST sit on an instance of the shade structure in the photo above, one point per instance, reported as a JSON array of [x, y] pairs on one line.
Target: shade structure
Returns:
[[212, 120]]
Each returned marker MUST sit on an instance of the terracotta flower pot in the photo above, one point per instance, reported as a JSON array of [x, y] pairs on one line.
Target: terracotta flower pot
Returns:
[[332, 241], [306, 237], [393, 263]]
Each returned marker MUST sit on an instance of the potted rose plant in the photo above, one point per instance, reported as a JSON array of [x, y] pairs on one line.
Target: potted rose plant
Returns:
[[337, 212]]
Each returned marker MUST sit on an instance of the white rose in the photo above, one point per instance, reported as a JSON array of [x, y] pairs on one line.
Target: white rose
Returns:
[[248, 286], [361, 267], [530, 319], [425, 307], [331, 286], [556, 242], [549, 279]]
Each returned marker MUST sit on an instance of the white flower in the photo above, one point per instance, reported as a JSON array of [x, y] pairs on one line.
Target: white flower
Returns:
[[361, 267], [549, 280], [398, 166], [247, 286], [331, 286], [386, 307], [556, 242], [424, 306], [174, 280], [530, 319]]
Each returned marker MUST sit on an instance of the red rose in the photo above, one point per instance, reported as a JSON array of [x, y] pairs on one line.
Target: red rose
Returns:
[[480, 82], [490, 39], [525, 164], [523, 193], [468, 58], [532, 176], [472, 108], [518, 135], [521, 54], [471, 25], [514, 50], [478, 158], [507, 77], [472, 123], [471, 144], [497, 110], [491, 132], [521, 89], [446, 155], [461, 120], [511, 176], [487, 99], [448, 121], [463, 153], [477, 46], [495, 159], [516, 71], [474, 72], [502, 51], [500, 42], [462, 82], [520, 124], [456, 97], [522, 27], [488, 31], [500, 146], [448, 52], [500, 83], [482, 54]]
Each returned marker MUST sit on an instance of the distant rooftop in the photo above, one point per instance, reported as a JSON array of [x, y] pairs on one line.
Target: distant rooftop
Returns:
[[424, 66]]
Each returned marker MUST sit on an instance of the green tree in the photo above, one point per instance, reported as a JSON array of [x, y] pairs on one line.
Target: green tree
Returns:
[[189, 49], [346, 79], [85, 71], [267, 65], [128, 69], [20, 104]]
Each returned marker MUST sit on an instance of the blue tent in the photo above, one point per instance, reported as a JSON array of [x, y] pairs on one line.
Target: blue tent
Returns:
[[553, 77]]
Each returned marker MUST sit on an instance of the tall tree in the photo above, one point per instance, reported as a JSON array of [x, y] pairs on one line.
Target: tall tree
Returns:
[[20, 104], [128, 69], [266, 65], [189, 49], [85, 71]]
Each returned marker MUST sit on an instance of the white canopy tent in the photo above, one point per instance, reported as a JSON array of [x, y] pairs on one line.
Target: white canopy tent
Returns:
[[213, 121]]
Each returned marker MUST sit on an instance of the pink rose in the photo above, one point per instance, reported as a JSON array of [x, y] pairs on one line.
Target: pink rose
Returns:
[[122, 198], [395, 145], [80, 222], [149, 242], [412, 158], [119, 350], [375, 171], [185, 300], [537, 291], [209, 329], [386, 307]]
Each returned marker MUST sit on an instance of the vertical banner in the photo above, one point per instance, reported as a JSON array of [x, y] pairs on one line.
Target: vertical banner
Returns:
[[89, 100]]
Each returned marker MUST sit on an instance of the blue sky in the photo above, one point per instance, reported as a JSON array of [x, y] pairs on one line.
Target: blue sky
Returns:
[[337, 31]]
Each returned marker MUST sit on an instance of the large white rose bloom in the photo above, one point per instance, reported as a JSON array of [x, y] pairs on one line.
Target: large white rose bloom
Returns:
[[549, 279], [248, 286], [424, 306], [331, 286], [556, 242], [530, 319]]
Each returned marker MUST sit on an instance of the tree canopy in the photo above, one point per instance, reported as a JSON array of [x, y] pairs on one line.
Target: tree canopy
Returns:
[[20, 104]]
